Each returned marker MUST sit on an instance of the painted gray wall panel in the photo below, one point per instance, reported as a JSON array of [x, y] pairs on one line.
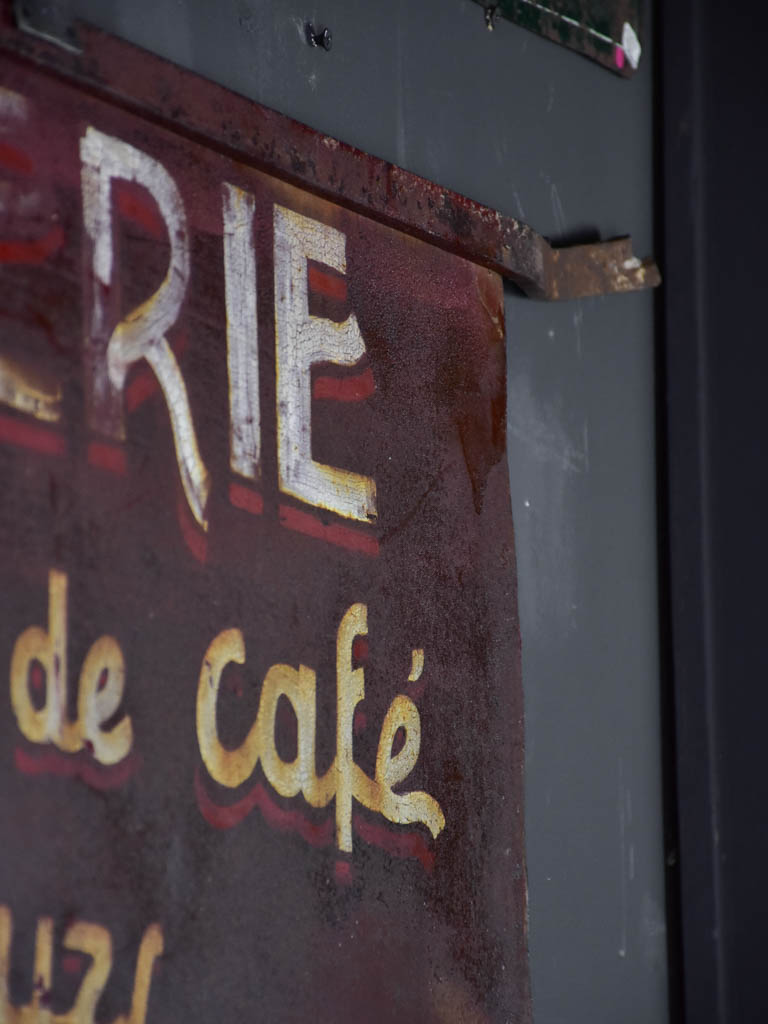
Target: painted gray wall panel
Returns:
[[540, 133]]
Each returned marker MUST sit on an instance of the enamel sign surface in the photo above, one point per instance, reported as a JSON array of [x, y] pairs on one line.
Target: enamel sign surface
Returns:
[[261, 732]]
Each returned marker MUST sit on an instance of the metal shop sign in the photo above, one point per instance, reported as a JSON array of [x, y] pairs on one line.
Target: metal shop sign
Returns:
[[260, 710]]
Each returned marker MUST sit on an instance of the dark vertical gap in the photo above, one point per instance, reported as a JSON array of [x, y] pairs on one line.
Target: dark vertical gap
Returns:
[[669, 802], [691, 781], [734, 170]]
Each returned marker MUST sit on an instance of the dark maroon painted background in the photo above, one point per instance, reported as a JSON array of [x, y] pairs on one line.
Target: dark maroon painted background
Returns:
[[264, 919]]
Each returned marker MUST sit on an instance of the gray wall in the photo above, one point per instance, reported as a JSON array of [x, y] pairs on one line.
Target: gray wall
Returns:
[[540, 133]]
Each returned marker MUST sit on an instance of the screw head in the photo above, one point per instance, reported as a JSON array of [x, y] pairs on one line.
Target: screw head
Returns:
[[323, 38]]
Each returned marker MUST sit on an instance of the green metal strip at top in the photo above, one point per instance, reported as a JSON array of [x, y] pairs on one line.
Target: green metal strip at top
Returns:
[[606, 31]]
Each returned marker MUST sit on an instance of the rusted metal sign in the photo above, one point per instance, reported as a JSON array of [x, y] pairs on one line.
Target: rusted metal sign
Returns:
[[262, 727]]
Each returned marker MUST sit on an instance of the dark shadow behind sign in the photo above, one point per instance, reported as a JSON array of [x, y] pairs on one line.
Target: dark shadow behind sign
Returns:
[[163, 856]]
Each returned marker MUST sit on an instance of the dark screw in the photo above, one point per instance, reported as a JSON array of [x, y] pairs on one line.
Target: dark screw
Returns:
[[323, 38]]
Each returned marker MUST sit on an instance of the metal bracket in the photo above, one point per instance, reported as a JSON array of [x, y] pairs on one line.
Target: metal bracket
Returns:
[[51, 20]]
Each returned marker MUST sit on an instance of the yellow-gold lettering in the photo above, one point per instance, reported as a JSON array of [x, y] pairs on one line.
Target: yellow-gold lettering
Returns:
[[100, 686], [83, 937], [344, 780], [39, 1009], [95, 941], [227, 767], [350, 690], [49, 649], [6, 934], [102, 681], [150, 949], [404, 808], [297, 776]]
